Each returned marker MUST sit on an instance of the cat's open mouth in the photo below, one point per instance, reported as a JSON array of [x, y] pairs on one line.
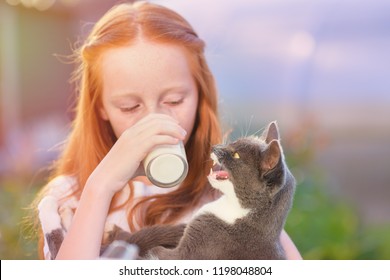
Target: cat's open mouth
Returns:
[[217, 171]]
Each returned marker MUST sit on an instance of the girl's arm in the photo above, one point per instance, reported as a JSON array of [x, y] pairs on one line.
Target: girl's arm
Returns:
[[120, 165], [289, 247], [84, 236]]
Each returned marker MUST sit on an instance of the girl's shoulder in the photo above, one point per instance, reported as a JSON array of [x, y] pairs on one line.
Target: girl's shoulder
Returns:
[[61, 187]]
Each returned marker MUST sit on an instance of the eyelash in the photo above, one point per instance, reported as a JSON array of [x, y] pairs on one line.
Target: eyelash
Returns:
[[175, 102], [133, 108], [129, 109]]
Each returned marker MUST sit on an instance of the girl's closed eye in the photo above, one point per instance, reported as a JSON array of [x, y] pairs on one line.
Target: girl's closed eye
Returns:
[[129, 109], [174, 102]]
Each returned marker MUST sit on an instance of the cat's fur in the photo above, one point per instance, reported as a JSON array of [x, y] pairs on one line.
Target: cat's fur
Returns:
[[246, 221], [55, 218]]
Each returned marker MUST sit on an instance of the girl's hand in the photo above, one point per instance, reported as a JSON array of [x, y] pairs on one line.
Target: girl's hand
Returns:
[[123, 161]]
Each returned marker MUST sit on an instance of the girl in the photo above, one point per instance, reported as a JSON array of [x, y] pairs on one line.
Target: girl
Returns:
[[143, 82]]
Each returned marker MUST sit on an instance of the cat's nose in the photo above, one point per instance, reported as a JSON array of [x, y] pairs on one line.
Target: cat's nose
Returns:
[[217, 150]]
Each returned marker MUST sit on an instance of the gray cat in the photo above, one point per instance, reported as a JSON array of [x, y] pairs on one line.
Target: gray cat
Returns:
[[245, 222]]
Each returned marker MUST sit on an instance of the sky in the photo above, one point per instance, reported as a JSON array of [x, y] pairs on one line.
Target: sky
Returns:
[[306, 51]]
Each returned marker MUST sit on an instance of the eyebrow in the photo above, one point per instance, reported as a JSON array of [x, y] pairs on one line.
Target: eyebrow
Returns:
[[128, 94], [181, 89]]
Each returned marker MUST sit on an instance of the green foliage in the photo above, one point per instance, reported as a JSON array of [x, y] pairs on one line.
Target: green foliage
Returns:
[[16, 240], [322, 224], [324, 227]]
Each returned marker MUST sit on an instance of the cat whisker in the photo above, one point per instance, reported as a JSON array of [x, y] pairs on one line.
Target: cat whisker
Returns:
[[226, 135], [208, 161], [248, 127], [257, 131]]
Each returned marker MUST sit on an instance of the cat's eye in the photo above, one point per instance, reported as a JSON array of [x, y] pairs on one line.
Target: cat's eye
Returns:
[[236, 155]]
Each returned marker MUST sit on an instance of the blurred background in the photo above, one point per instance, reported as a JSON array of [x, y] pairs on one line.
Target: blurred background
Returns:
[[320, 68]]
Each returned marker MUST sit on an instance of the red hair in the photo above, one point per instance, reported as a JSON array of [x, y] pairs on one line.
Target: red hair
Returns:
[[91, 138]]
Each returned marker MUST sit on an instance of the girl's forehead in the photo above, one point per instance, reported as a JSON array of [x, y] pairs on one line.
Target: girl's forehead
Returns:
[[145, 66]]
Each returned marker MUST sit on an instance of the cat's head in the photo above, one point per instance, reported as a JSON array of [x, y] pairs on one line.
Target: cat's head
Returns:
[[251, 168]]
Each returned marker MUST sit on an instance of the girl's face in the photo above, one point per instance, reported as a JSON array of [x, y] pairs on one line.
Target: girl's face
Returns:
[[146, 78]]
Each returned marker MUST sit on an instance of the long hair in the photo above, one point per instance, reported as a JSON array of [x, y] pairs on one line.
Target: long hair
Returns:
[[91, 138]]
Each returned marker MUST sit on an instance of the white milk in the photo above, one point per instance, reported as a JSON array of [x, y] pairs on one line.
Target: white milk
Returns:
[[166, 166]]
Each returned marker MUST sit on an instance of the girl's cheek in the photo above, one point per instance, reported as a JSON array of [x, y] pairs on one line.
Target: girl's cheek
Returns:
[[122, 127]]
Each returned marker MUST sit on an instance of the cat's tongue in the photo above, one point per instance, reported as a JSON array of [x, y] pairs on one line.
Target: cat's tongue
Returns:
[[221, 175]]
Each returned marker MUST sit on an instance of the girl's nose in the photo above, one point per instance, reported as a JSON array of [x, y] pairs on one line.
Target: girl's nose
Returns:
[[159, 109]]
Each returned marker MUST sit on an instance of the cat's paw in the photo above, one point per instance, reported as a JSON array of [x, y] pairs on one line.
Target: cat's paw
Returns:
[[109, 232], [66, 212], [113, 232], [48, 214], [66, 215]]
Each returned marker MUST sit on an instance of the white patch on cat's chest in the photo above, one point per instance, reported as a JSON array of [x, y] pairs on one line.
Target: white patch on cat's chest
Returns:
[[227, 207]]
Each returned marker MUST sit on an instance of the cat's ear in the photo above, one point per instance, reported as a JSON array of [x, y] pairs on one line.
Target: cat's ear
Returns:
[[271, 133], [272, 155]]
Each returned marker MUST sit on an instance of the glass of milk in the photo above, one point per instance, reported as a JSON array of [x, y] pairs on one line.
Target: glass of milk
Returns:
[[166, 166]]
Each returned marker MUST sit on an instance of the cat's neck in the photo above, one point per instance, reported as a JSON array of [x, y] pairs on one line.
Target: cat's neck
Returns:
[[227, 208]]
